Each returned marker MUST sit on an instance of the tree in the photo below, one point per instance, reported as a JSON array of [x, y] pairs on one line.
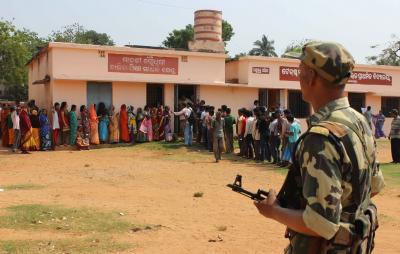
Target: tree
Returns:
[[264, 47], [76, 33], [389, 55], [16, 48], [179, 38]]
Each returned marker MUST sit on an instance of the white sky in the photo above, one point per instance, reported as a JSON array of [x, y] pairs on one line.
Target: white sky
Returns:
[[357, 24]]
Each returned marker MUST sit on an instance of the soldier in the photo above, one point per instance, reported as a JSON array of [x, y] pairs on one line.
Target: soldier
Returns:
[[325, 201]]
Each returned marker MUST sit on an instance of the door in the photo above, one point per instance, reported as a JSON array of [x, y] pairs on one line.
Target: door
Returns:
[[99, 92], [357, 100]]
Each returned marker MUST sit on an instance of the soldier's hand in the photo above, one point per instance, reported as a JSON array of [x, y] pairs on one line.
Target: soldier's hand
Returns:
[[267, 206]]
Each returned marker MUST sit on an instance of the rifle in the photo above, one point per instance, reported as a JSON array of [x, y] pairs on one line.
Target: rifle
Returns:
[[237, 187]]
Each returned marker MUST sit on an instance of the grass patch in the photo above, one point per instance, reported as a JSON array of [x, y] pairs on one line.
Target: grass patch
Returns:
[[198, 194], [62, 219], [391, 172], [160, 146], [87, 245], [23, 186]]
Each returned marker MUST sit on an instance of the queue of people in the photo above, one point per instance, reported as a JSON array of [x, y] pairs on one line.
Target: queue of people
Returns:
[[28, 128]]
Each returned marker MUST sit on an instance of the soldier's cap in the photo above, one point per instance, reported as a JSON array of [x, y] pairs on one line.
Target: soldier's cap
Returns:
[[329, 59], [394, 111]]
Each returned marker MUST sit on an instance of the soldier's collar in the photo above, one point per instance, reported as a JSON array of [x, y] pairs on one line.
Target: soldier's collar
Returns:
[[326, 110]]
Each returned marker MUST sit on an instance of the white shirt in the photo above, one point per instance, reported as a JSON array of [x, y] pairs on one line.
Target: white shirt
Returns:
[[15, 120], [203, 116], [249, 126], [185, 112], [56, 123]]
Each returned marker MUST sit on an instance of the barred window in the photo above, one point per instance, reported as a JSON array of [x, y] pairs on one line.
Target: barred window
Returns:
[[298, 107], [389, 103], [155, 95], [263, 96]]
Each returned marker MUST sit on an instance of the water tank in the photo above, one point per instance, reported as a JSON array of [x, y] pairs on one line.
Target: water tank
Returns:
[[208, 25]]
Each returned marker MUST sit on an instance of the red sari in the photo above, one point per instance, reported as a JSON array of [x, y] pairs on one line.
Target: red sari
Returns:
[[123, 124], [94, 126], [27, 141], [161, 134], [4, 127]]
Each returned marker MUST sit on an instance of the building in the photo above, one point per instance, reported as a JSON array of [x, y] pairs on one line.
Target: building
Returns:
[[136, 75]]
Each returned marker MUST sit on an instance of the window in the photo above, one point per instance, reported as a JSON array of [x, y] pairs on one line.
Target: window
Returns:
[[389, 103], [155, 95], [357, 101], [297, 105]]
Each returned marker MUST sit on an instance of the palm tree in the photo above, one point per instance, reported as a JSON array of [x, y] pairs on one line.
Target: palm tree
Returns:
[[264, 47]]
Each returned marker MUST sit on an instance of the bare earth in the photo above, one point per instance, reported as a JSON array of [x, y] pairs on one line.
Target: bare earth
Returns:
[[156, 186]]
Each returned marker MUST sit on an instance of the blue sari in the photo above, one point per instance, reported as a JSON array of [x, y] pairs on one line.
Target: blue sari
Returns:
[[103, 129], [45, 130]]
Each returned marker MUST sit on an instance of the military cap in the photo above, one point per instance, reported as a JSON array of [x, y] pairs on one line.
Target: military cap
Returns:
[[329, 59]]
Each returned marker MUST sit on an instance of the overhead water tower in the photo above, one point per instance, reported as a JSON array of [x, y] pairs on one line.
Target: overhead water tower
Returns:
[[207, 32]]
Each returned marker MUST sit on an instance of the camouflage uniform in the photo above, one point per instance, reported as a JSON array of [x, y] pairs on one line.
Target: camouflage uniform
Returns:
[[326, 169]]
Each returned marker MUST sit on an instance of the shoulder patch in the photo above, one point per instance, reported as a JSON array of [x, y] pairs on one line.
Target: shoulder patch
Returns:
[[319, 130]]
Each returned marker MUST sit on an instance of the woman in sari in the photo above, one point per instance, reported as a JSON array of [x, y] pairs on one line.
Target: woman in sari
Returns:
[[160, 114], [27, 140], [123, 121], [139, 117], [4, 126], [146, 130], [114, 126], [34, 118], [64, 123], [83, 135], [103, 123], [379, 122], [73, 124], [155, 124], [45, 128], [131, 124], [94, 125], [166, 124], [10, 126]]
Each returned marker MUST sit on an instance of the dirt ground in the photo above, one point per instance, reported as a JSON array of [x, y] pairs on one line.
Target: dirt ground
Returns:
[[155, 185]]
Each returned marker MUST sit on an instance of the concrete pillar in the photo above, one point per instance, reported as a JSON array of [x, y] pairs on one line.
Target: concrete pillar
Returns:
[[283, 98], [169, 99]]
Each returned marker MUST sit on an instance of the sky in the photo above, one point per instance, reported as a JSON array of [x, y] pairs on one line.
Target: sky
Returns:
[[357, 24]]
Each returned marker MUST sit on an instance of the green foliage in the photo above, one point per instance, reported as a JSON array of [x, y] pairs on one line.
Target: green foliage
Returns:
[[179, 38], [264, 47], [16, 48], [76, 33], [389, 55]]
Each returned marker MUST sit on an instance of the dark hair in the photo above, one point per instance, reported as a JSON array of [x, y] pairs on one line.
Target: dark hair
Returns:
[[63, 105], [82, 108], [228, 111], [369, 108], [224, 107], [290, 118], [202, 102], [189, 104], [256, 102], [73, 107], [56, 104], [102, 110], [287, 112]]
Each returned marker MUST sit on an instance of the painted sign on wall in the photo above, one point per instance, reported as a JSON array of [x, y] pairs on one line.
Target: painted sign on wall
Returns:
[[357, 77], [260, 70], [142, 64]]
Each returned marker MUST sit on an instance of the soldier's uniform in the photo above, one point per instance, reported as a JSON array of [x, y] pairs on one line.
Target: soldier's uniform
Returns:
[[337, 162]]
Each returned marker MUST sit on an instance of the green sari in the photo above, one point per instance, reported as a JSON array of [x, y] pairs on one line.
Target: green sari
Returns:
[[73, 124]]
